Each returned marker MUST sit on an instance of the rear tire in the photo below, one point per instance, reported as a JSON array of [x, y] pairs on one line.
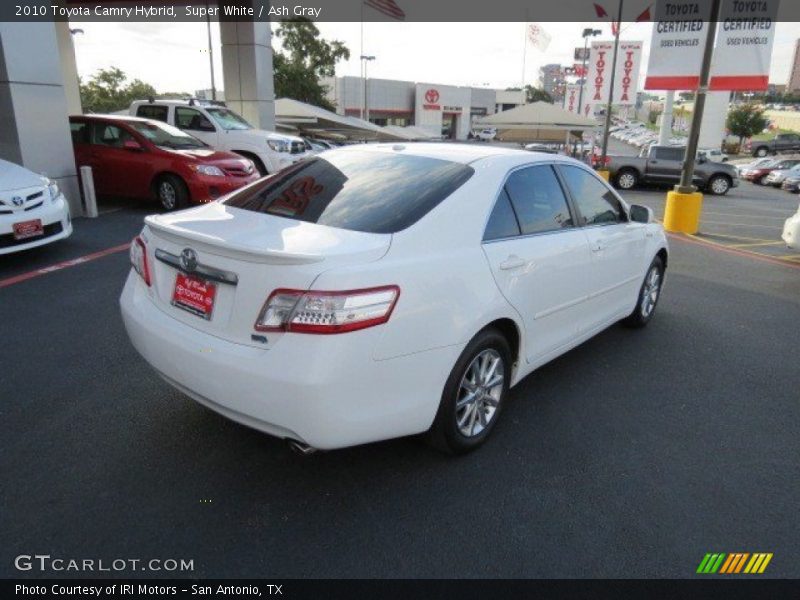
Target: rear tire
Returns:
[[474, 394], [649, 294], [627, 179], [172, 193], [761, 151]]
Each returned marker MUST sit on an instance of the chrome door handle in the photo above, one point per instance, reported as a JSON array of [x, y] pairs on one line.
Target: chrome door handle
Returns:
[[512, 262]]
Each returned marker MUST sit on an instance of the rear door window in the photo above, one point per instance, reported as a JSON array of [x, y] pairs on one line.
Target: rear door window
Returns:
[[153, 111], [374, 192], [538, 200], [665, 153]]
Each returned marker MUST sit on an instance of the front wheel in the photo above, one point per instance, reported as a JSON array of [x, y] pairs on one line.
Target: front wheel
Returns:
[[473, 395], [649, 294], [719, 185], [172, 192]]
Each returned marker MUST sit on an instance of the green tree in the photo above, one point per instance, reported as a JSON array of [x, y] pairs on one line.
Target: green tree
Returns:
[[108, 90], [533, 94], [746, 120], [303, 59]]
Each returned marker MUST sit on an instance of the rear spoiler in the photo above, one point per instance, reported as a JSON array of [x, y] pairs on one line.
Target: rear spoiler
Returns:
[[179, 235]]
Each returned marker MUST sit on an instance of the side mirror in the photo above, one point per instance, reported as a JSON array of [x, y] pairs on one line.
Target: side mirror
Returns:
[[132, 146], [641, 214], [701, 159]]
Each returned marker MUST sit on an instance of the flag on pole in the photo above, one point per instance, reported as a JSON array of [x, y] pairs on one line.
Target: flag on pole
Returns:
[[538, 36], [388, 8], [600, 11]]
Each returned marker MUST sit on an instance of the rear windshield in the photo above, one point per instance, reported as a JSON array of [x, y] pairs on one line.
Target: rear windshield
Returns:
[[373, 192]]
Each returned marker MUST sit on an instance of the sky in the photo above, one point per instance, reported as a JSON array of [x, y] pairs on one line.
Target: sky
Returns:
[[173, 57]]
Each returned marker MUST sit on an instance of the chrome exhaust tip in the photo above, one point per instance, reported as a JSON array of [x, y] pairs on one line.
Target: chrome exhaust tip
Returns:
[[301, 448]]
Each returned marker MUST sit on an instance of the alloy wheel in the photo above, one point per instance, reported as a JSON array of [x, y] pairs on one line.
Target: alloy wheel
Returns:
[[650, 291], [479, 392], [719, 185], [166, 193], [626, 181]]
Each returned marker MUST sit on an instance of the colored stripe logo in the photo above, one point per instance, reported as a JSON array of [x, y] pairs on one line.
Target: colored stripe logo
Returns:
[[734, 563]]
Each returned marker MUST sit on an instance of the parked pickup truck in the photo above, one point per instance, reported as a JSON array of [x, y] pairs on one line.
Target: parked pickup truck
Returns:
[[663, 165], [783, 142]]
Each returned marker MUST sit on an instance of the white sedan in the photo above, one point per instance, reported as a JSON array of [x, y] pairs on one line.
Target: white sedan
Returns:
[[33, 211], [380, 291]]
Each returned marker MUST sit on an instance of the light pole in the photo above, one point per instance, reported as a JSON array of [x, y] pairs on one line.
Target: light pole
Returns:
[[210, 54], [366, 58], [587, 33]]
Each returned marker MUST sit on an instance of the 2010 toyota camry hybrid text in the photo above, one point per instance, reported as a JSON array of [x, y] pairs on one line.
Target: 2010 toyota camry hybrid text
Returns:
[[380, 291]]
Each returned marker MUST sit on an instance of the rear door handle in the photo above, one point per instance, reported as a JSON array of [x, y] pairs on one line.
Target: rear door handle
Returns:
[[512, 262]]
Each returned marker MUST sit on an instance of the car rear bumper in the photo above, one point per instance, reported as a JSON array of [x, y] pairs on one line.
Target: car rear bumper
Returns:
[[324, 390], [56, 223]]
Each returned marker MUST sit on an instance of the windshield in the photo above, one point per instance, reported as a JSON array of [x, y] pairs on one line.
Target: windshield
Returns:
[[375, 192], [165, 135], [227, 119]]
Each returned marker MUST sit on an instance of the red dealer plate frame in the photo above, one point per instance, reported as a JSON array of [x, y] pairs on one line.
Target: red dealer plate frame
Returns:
[[28, 229], [194, 295]]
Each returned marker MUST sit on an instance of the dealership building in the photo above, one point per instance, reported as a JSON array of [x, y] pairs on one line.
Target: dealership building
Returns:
[[448, 110]]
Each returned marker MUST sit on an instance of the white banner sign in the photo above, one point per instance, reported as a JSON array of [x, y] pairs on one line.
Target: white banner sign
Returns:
[[626, 83], [571, 97], [599, 77], [626, 80], [676, 49], [745, 34]]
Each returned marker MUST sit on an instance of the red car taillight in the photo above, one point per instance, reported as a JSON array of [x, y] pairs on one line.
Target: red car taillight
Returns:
[[138, 255], [327, 312]]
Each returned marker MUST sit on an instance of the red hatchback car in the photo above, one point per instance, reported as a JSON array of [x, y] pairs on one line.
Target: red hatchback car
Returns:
[[139, 158]]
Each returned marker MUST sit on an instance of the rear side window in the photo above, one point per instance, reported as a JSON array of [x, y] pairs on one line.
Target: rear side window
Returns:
[[502, 222], [374, 192], [152, 111], [538, 200], [676, 153], [79, 131]]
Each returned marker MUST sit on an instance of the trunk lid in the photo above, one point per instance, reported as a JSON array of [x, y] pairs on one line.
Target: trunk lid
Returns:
[[245, 256]]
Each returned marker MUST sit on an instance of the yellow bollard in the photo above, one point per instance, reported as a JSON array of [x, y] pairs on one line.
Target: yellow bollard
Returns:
[[682, 213], [604, 173]]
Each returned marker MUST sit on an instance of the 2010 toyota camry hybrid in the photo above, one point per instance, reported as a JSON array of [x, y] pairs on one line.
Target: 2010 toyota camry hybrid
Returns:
[[379, 291]]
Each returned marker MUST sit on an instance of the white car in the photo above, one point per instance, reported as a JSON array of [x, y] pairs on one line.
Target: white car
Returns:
[[380, 291], [791, 231], [33, 211], [223, 129], [486, 135]]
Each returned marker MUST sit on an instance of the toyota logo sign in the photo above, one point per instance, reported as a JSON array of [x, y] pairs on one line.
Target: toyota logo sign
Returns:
[[432, 96], [188, 260]]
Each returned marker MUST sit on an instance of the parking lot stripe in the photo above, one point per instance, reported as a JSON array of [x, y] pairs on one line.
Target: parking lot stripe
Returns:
[[73, 262], [751, 244], [692, 239]]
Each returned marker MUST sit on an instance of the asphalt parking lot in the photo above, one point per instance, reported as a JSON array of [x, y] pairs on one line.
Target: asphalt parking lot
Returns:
[[631, 456]]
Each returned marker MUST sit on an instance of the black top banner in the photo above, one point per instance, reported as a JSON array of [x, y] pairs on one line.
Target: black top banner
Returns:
[[347, 10]]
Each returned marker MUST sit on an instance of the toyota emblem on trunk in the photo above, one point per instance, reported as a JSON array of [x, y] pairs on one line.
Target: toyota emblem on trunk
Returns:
[[188, 260], [17, 201]]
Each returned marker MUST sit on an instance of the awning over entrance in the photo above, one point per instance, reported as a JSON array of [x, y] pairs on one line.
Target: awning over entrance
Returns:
[[319, 122], [536, 122]]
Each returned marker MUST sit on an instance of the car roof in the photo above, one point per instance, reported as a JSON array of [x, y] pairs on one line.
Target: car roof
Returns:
[[454, 152], [114, 118]]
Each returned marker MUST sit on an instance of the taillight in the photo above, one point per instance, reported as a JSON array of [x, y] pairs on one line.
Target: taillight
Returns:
[[327, 312], [139, 259]]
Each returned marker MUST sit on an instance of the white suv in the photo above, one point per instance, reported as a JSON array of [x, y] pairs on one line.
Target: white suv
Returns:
[[223, 129]]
